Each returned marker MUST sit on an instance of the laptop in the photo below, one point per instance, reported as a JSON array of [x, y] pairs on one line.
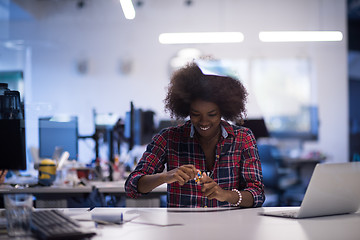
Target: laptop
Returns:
[[334, 189]]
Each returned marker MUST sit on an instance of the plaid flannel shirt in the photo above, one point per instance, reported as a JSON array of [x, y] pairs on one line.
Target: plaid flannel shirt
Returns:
[[237, 164]]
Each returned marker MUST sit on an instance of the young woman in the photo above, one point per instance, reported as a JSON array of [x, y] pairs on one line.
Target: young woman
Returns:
[[226, 154]]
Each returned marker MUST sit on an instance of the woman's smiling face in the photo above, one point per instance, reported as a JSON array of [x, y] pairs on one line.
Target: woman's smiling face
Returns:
[[206, 118]]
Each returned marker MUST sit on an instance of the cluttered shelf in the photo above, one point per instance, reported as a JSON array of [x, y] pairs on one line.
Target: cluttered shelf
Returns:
[[87, 194]]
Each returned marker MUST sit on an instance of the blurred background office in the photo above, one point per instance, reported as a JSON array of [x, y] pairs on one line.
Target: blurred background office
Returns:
[[85, 59]]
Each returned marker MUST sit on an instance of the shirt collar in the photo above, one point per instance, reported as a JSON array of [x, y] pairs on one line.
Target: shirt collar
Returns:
[[224, 133]]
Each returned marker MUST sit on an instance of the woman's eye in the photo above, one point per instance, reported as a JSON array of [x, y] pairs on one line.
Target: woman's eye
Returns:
[[213, 115]]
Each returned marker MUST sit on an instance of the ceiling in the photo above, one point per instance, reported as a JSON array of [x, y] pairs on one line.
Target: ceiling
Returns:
[[17, 11]]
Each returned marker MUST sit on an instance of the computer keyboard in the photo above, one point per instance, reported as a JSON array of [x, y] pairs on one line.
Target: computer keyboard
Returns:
[[52, 224]]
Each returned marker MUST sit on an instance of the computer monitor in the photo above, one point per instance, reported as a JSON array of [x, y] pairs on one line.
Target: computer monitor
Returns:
[[12, 144], [12, 130], [129, 126], [58, 134], [303, 128], [139, 126], [165, 123], [257, 126]]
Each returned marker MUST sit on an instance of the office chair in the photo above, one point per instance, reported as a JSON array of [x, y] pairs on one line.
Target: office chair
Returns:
[[277, 180]]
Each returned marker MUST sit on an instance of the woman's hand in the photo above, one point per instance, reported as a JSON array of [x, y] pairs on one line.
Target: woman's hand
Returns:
[[211, 189], [182, 174]]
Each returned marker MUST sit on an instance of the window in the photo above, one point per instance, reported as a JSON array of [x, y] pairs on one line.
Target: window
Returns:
[[284, 90]]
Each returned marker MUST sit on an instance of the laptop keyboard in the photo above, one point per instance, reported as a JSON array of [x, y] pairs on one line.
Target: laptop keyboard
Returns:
[[53, 224]]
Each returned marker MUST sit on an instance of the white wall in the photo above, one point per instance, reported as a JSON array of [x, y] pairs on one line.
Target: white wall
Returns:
[[60, 35]]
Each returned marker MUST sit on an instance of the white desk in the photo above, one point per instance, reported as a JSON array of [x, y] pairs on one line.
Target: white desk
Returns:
[[236, 224]]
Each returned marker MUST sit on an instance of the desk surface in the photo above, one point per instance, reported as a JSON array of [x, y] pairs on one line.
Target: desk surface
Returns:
[[160, 223]]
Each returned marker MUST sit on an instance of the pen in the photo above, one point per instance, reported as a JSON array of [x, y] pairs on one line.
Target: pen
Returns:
[[110, 222], [91, 208]]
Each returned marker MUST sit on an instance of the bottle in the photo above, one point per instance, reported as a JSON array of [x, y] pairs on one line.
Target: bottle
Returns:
[[47, 172]]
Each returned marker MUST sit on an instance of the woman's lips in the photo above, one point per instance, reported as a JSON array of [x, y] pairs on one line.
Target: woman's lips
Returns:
[[204, 128]]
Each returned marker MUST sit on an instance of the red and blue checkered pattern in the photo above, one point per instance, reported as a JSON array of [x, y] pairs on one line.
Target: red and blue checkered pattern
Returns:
[[237, 165]]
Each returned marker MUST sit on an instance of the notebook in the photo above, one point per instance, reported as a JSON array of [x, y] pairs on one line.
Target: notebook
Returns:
[[334, 189]]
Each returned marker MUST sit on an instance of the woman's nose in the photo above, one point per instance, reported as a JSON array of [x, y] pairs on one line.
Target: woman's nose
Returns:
[[203, 119]]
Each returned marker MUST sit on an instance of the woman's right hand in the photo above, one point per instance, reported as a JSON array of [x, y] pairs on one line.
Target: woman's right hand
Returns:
[[182, 174]]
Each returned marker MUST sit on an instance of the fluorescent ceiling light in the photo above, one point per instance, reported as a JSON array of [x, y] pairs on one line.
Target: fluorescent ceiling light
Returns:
[[300, 36], [128, 9], [201, 37]]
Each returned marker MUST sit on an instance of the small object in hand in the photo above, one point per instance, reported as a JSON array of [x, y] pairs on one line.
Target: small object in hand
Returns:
[[198, 176]]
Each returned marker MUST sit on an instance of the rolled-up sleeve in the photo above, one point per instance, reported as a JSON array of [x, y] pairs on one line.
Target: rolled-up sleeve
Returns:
[[251, 170], [152, 161]]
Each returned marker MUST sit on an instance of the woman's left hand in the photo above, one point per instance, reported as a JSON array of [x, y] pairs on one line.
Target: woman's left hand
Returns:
[[211, 189]]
